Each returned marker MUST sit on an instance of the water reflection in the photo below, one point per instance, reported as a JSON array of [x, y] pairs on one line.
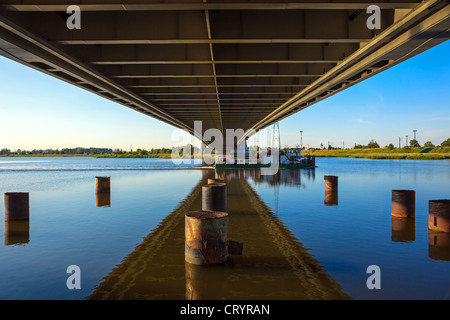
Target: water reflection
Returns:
[[403, 229], [439, 245], [331, 198], [103, 199], [274, 264], [283, 177], [202, 284], [17, 232]]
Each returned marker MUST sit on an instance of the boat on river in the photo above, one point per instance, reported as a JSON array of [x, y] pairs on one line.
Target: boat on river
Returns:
[[289, 158]]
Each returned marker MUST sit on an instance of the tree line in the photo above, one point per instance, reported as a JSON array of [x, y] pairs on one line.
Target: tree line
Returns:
[[97, 151], [413, 143], [74, 151]]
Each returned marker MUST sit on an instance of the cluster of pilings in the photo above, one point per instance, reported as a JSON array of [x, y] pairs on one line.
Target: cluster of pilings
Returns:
[[403, 211], [403, 222], [206, 230], [404, 206], [17, 211]]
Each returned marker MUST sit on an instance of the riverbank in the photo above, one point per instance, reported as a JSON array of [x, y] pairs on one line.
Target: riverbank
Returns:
[[133, 155], [424, 153], [44, 155], [121, 155]]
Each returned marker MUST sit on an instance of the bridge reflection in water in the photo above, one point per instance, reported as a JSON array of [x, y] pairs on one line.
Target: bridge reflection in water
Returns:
[[274, 264]]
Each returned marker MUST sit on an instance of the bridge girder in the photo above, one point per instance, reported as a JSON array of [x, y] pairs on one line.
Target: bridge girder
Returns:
[[231, 65]]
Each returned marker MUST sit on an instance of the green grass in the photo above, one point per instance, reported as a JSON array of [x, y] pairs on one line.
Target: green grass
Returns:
[[399, 156], [45, 155], [424, 153], [129, 155]]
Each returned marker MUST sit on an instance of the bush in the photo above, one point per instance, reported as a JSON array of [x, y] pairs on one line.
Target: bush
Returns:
[[446, 143], [373, 144], [414, 143]]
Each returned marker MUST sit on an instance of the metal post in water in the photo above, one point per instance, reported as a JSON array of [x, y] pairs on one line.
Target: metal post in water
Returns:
[[331, 183], [216, 181], [439, 215], [206, 237], [403, 203], [17, 206], [102, 185], [214, 197]]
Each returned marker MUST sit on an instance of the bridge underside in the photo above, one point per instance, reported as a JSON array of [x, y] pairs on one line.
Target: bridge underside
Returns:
[[230, 64]]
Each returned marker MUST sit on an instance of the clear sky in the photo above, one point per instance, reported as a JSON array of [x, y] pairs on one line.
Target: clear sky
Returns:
[[39, 112]]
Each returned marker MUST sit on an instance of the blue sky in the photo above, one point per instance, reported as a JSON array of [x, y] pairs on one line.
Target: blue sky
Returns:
[[38, 111]]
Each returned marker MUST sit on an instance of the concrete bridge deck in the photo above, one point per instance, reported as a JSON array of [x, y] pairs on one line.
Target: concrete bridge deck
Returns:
[[232, 65]]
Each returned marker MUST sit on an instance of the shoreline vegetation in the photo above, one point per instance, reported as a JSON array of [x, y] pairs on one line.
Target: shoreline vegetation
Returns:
[[371, 151], [411, 153], [423, 153]]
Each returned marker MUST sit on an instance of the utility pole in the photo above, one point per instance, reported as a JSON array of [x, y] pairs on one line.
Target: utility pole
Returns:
[[276, 143], [257, 141], [301, 140]]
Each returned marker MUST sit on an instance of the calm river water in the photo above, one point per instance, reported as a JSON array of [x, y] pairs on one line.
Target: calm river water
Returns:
[[343, 235]]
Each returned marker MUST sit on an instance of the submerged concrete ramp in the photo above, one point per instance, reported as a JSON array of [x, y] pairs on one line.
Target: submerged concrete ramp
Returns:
[[274, 265]]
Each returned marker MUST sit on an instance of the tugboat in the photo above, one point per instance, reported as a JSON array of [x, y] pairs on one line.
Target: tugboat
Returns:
[[289, 158]]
